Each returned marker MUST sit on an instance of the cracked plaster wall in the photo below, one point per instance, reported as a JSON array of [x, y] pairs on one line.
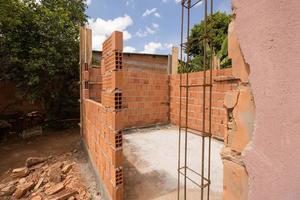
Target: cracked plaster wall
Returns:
[[269, 39]]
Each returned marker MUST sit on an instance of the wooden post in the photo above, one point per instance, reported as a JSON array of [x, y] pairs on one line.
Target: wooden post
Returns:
[[174, 60], [81, 64], [89, 50], [86, 54]]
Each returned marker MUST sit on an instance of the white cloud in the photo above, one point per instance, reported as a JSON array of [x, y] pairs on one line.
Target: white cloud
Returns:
[[156, 14], [152, 47], [129, 49], [88, 2], [148, 30], [168, 45], [141, 33], [103, 28], [149, 12], [126, 35], [155, 25]]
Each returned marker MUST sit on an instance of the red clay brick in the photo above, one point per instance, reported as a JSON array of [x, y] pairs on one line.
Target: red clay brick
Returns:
[[150, 96], [195, 101], [102, 123]]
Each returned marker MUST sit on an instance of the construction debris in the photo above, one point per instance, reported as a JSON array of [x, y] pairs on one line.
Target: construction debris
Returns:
[[55, 189], [23, 189], [67, 168], [8, 190], [53, 178], [34, 160], [65, 195], [55, 173], [39, 183], [20, 172]]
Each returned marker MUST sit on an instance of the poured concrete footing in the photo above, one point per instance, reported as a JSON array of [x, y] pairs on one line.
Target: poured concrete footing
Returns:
[[151, 159]]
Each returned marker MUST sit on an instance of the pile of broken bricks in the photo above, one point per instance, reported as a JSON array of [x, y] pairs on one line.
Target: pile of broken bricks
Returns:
[[44, 179]]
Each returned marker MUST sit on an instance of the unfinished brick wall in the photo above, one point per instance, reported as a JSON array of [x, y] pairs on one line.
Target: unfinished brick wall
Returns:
[[104, 143], [136, 91], [103, 122], [147, 97], [146, 62], [223, 82], [95, 83], [145, 85]]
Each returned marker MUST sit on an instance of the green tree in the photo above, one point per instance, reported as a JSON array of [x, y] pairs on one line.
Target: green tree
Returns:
[[217, 29], [39, 50]]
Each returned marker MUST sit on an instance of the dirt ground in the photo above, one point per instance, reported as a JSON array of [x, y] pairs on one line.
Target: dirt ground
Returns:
[[150, 161], [59, 146]]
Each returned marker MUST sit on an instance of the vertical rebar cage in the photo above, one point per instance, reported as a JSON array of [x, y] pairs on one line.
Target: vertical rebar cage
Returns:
[[203, 181]]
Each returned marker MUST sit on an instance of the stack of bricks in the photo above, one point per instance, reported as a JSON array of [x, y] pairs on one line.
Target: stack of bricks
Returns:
[[111, 170], [222, 83], [103, 120]]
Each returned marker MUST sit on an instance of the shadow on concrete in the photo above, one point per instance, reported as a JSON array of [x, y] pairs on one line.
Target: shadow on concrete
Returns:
[[144, 186]]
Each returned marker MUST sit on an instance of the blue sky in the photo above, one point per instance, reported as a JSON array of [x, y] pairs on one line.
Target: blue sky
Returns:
[[149, 26]]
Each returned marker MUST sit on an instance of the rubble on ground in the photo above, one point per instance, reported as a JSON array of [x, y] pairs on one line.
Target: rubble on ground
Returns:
[[52, 178]]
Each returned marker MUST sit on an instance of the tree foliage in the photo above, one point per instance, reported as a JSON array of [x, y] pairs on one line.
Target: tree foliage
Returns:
[[217, 29], [39, 50]]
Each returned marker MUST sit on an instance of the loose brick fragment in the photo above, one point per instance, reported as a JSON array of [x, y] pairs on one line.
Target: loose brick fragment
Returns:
[[39, 183], [20, 172], [31, 161], [23, 189], [55, 173], [55, 189], [8, 190], [67, 168], [65, 195]]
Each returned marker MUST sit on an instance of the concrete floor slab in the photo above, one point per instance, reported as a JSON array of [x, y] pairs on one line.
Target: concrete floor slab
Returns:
[[151, 159]]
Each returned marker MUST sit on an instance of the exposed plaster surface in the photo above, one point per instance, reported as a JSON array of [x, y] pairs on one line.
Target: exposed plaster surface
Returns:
[[243, 117], [268, 32]]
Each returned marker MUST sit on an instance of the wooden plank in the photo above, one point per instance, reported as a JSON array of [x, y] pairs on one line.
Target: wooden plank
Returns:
[[89, 47], [81, 64], [82, 45]]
